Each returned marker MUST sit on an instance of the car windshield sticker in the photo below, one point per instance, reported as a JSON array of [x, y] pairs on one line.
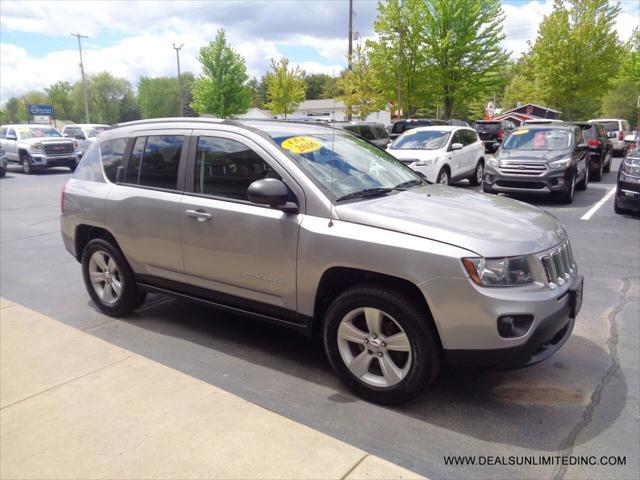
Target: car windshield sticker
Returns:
[[519, 132], [301, 145]]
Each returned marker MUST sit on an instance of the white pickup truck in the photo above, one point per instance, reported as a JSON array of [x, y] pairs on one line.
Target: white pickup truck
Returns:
[[37, 147]]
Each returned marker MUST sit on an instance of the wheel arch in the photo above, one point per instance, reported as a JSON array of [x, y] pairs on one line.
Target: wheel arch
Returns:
[[85, 233], [336, 280]]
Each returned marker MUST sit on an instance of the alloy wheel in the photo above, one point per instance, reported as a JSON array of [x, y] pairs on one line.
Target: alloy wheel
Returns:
[[443, 178], [105, 277], [479, 174], [374, 347]]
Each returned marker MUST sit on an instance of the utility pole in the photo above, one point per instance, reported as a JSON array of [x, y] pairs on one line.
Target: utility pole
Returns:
[[84, 83], [177, 49], [350, 52]]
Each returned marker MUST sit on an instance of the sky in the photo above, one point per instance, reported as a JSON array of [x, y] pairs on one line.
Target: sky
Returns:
[[134, 38]]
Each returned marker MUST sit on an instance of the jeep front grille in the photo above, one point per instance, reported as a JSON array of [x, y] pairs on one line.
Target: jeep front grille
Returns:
[[513, 167], [558, 265]]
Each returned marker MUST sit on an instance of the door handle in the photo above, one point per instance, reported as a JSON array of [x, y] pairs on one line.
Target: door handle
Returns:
[[199, 215]]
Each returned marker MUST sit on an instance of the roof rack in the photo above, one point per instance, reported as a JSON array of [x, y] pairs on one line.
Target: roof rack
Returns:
[[148, 121]]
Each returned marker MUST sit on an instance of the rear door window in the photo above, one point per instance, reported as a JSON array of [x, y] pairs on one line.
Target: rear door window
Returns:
[[611, 126], [160, 161], [367, 132], [590, 133]]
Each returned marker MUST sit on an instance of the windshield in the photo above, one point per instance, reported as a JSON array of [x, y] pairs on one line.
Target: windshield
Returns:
[[538, 139], [487, 127], [95, 131], [421, 140], [343, 164], [36, 132], [611, 126]]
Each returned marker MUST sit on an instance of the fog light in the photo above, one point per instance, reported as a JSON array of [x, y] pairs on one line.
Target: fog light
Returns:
[[511, 326], [560, 182], [488, 178]]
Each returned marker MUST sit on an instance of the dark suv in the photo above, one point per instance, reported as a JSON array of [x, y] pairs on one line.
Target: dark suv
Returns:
[[540, 159], [373, 132], [492, 132], [600, 148], [401, 126]]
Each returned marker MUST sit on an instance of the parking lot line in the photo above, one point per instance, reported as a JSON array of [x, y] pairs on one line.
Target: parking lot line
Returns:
[[595, 208]]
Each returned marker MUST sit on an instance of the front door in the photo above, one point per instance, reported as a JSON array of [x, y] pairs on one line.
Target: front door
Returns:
[[245, 253]]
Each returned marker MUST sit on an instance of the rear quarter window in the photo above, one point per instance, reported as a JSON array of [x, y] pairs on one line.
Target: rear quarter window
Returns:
[[112, 153], [90, 168]]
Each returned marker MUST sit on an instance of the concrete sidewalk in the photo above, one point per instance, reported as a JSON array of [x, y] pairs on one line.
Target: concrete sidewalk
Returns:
[[74, 406]]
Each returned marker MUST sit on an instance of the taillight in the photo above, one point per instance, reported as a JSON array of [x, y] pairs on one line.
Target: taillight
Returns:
[[594, 143], [499, 134], [621, 135], [62, 197]]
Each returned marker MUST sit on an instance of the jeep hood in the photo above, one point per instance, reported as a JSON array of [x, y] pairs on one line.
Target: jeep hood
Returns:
[[488, 225]]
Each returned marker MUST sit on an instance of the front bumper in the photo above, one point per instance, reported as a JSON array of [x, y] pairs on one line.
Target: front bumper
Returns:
[[46, 161], [628, 192], [550, 182]]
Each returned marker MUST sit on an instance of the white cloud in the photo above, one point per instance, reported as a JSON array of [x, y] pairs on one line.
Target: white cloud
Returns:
[[521, 24]]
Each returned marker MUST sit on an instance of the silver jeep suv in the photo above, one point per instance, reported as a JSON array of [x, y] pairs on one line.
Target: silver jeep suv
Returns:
[[313, 228]]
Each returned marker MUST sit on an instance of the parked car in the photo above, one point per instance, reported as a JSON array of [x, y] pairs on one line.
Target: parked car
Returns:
[[401, 126], [617, 129], [3, 163], [373, 132], [37, 147], [457, 123], [540, 159], [542, 121], [600, 148], [627, 198], [443, 154], [493, 132], [84, 133], [308, 227]]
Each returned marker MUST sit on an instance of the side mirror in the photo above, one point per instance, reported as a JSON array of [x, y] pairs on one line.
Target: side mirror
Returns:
[[582, 147], [11, 137], [272, 192], [456, 146]]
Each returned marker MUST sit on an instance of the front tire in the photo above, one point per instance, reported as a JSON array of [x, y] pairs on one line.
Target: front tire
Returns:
[[109, 279], [381, 343], [27, 165], [444, 177], [478, 174], [584, 183], [567, 195]]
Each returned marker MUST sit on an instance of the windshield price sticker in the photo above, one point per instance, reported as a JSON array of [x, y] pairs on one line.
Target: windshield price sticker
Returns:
[[519, 132], [301, 145]]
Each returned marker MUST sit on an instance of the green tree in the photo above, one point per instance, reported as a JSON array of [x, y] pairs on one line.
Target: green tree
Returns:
[[576, 54], [158, 97], [14, 111], [620, 101], [285, 87], [397, 56], [524, 89], [223, 88], [111, 100], [258, 92], [462, 49], [316, 83], [359, 85], [59, 95], [188, 79], [631, 66]]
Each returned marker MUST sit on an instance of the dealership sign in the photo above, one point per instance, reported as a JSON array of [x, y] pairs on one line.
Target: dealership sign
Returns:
[[40, 109]]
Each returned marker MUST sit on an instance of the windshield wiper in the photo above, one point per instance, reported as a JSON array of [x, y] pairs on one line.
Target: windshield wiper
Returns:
[[408, 184], [365, 193]]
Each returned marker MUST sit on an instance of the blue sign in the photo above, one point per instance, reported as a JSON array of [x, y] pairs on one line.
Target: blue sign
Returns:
[[40, 109]]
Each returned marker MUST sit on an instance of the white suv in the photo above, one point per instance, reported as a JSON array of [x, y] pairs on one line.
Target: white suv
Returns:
[[443, 154], [617, 129]]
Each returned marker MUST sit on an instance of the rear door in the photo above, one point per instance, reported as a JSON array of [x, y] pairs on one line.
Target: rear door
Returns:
[[144, 208], [456, 161], [241, 253]]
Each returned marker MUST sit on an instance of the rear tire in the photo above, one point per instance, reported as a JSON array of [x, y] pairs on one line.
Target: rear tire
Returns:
[[478, 174], [376, 370], [597, 175], [109, 279], [607, 163]]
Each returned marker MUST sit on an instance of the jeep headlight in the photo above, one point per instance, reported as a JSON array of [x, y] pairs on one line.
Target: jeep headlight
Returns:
[[36, 147], [497, 272], [493, 162], [631, 166], [560, 164]]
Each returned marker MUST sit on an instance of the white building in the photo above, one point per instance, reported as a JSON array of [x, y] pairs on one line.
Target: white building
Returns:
[[330, 109]]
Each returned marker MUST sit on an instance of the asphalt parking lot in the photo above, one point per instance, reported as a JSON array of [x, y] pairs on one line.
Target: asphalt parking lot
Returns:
[[583, 401]]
